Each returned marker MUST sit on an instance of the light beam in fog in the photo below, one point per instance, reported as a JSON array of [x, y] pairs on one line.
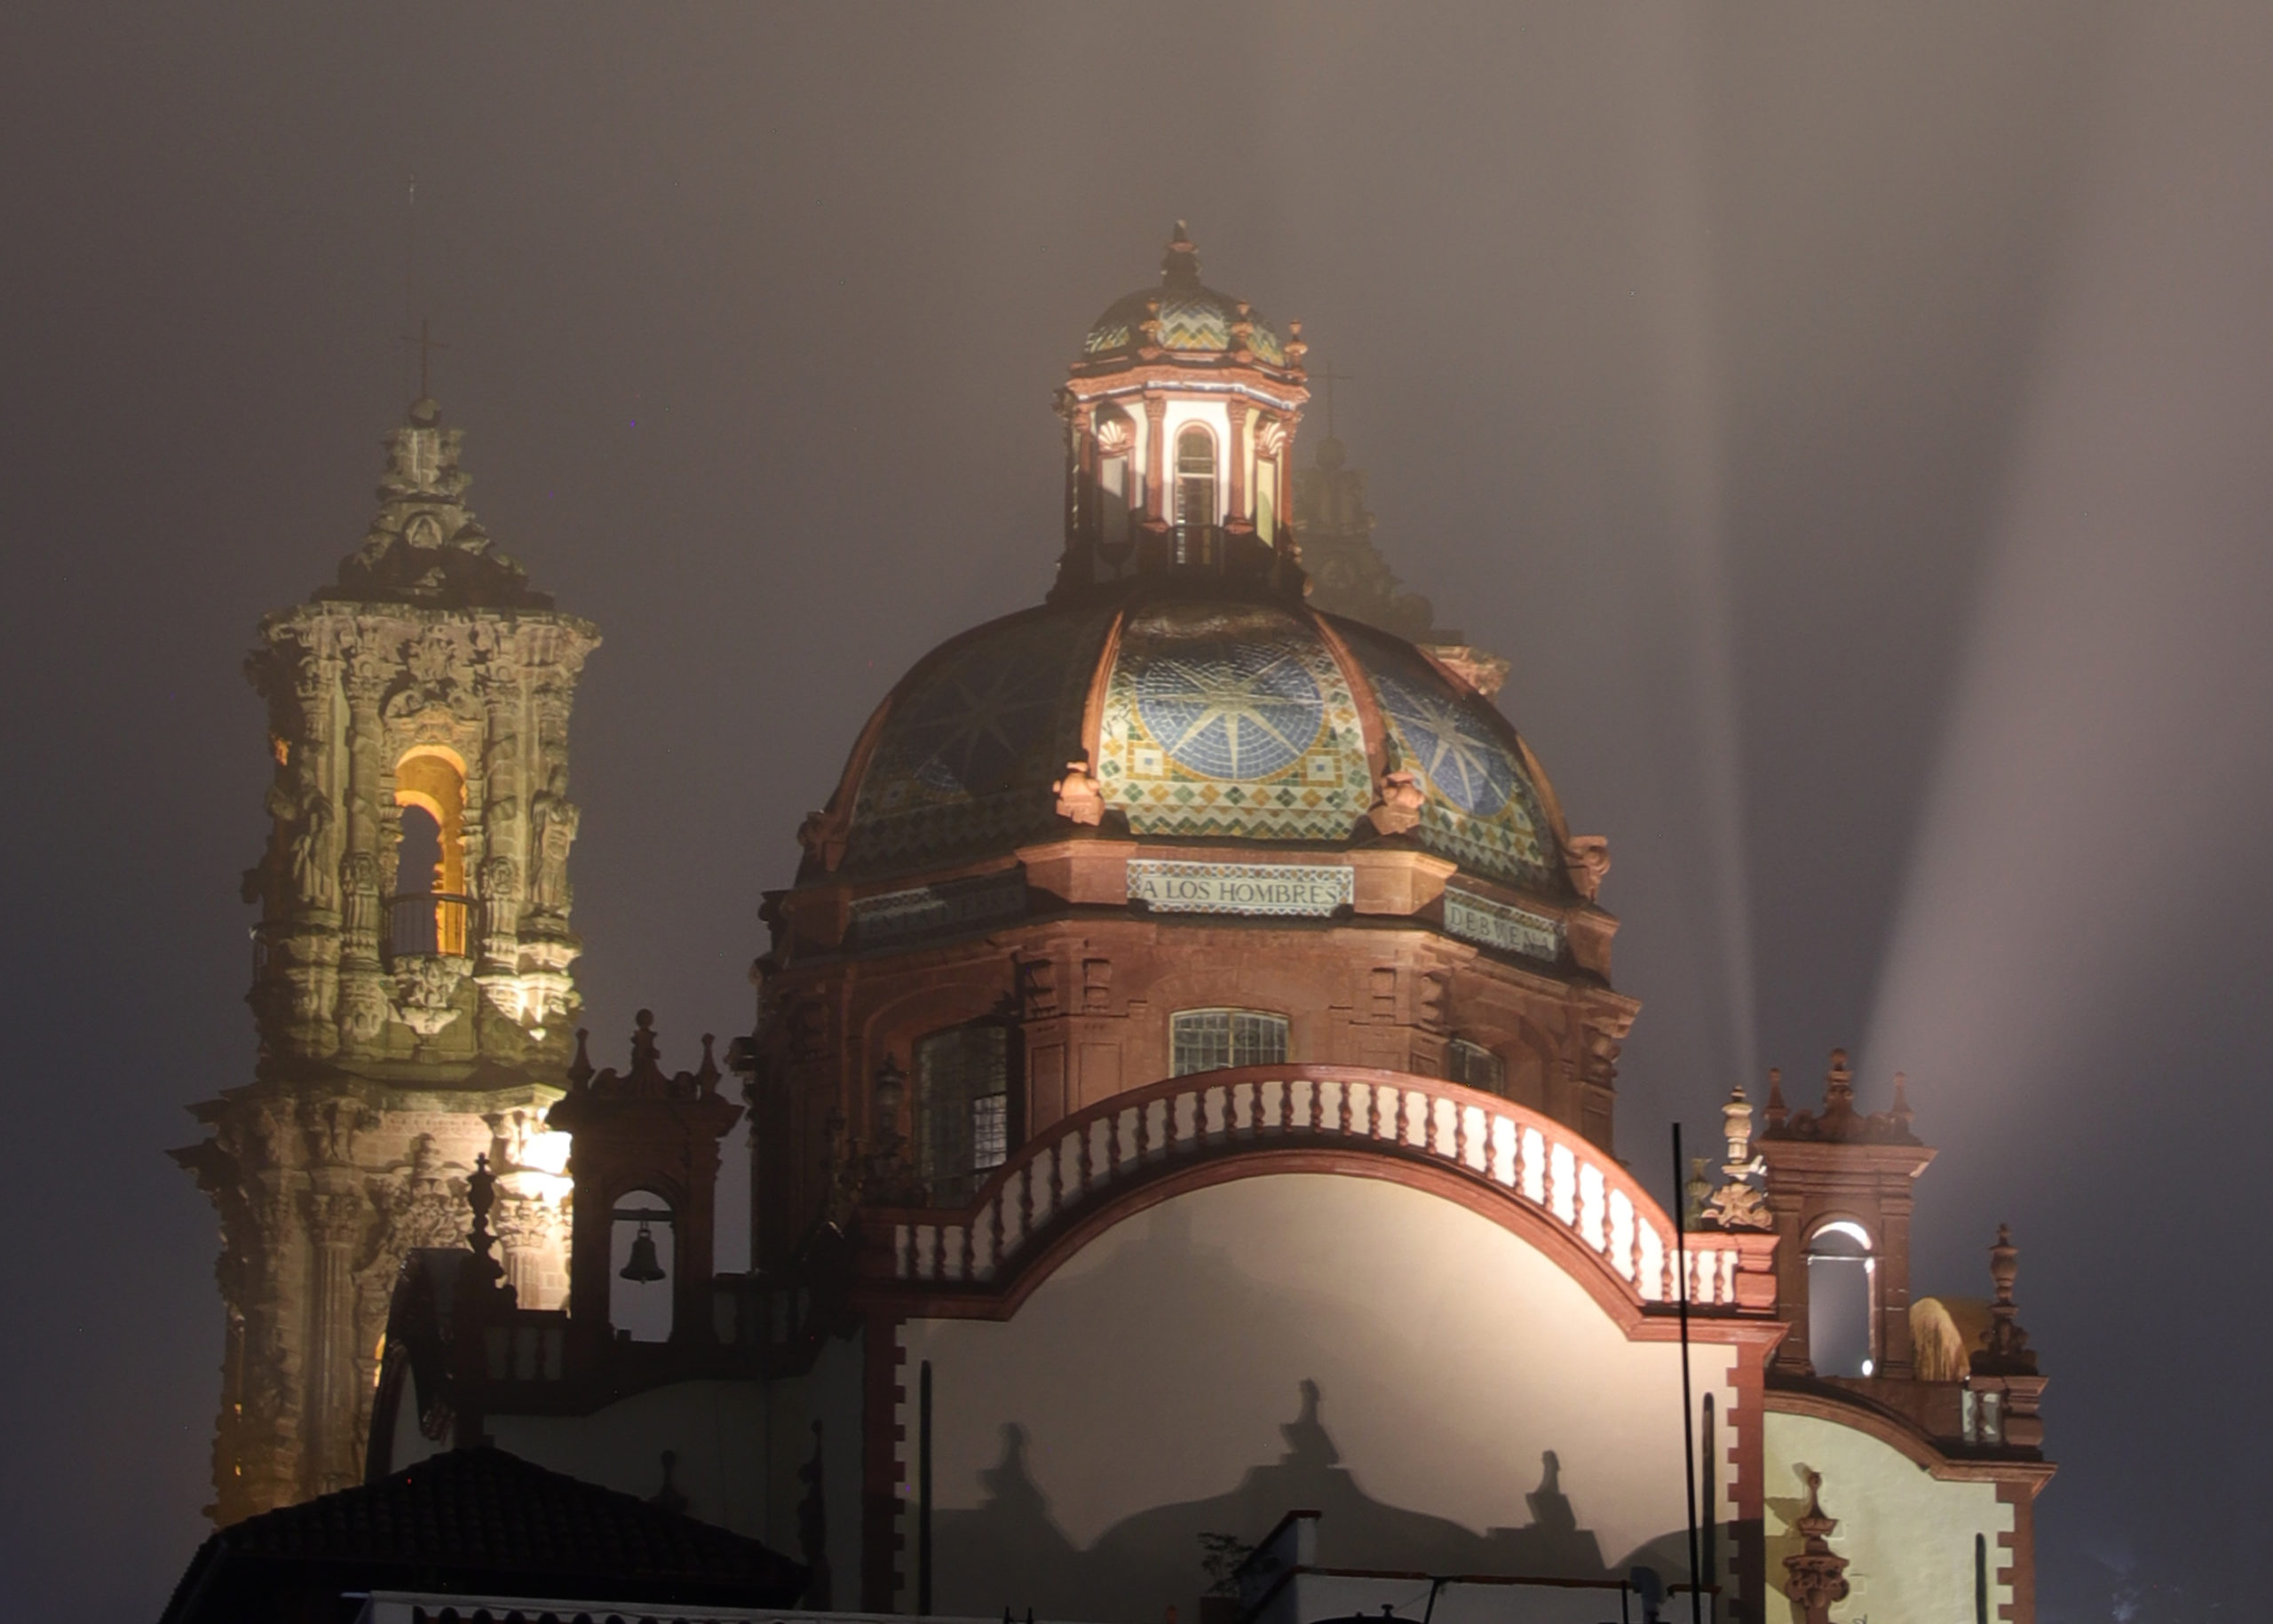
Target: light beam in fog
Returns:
[[1675, 288], [2106, 753]]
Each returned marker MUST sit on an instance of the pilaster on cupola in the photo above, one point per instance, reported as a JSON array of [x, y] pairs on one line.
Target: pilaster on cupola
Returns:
[[413, 975], [644, 1152], [1180, 419], [1839, 1186]]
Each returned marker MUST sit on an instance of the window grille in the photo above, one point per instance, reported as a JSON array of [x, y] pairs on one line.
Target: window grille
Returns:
[[1473, 1065], [962, 1079], [1210, 1039]]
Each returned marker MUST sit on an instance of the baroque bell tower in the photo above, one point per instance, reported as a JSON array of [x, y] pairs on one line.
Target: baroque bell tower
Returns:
[[412, 974]]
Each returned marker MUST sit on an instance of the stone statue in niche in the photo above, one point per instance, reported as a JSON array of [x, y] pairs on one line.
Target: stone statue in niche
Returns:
[[308, 816], [554, 818]]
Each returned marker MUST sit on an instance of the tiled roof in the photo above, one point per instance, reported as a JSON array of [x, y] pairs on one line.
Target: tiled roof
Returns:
[[482, 1518]]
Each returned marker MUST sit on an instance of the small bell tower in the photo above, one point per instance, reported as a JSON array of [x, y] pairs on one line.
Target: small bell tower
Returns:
[[645, 1153], [413, 965], [1840, 1190]]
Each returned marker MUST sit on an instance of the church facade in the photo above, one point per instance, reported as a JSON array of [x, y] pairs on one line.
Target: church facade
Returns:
[[1182, 1106]]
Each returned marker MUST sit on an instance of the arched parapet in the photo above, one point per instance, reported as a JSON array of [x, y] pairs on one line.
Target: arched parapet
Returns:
[[1530, 1172]]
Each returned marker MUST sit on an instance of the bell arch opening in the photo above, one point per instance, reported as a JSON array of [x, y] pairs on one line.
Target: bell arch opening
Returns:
[[426, 917], [643, 1259], [1843, 1318]]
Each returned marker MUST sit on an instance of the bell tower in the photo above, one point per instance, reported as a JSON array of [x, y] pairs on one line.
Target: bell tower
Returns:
[[413, 967]]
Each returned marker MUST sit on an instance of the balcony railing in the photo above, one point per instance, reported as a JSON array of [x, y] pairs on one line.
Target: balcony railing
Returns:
[[1077, 1164], [428, 925]]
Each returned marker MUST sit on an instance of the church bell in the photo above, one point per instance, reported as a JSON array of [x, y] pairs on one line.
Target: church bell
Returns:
[[643, 1265]]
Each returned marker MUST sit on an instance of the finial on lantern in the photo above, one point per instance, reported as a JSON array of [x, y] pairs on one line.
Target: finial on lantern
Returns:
[[1180, 266]]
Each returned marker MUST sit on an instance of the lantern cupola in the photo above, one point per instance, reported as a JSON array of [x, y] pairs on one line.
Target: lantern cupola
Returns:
[[1180, 417]]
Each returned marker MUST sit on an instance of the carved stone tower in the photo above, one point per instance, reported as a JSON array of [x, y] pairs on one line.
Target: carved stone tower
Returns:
[[413, 968]]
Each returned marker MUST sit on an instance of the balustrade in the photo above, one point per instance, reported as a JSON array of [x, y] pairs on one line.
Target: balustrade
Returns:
[[1081, 1159], [428, 924]]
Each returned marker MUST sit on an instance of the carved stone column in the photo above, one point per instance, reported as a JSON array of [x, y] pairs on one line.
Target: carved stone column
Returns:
[[335, 1222]]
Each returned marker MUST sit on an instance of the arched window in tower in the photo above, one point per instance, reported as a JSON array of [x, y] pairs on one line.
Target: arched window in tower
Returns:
[[1195, 496], [1842, 1280], [1211, 1040], [963, 1109], [642, 1264], [427, 915]]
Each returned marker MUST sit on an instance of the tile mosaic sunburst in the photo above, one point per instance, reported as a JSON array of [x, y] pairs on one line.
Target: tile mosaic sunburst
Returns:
[[977, 736], [1482, 810], [1231, 722]]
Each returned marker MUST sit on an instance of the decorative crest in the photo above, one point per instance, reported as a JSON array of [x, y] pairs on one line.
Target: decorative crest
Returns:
[[1839, 1121]]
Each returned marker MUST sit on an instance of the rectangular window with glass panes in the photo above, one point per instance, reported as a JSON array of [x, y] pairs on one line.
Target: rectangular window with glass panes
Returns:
[[1210, 1039]]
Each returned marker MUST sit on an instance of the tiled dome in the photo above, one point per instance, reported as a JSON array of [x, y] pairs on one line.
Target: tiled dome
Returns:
[[1203, 719], [1193, 319]]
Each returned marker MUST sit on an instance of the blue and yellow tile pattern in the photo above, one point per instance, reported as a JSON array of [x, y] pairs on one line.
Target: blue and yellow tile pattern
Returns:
[[1231, 721], [980, 731], [1482, 810]]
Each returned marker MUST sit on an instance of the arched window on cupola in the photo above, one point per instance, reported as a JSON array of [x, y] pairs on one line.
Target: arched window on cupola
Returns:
[[1117, 498], [963, 1109], [1195, 496], [1842, 1282], [427, 914]]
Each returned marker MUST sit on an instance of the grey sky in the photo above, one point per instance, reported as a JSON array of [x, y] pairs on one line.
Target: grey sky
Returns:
[[1851, 421]]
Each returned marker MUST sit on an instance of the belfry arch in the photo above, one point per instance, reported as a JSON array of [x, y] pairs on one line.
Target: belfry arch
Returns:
[[430, 796]]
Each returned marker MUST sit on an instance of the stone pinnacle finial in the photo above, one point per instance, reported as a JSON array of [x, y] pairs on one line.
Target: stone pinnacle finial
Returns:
[[1900, 1113], [2004, 1345], [481, 1195], [1838, 1081], [1775, 1113]]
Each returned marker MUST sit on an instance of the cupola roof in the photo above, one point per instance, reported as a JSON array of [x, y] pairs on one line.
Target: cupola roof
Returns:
[[1190, 718], [1193, 319]]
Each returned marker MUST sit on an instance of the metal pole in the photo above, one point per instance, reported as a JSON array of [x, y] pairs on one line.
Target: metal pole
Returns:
[[1688, 1422], [924, 1492]]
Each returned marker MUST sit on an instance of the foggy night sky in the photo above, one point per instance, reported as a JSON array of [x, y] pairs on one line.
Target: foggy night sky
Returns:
[[1855, 424]]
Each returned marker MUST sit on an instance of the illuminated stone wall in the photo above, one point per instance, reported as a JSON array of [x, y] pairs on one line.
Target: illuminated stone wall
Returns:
[[402, 1035]]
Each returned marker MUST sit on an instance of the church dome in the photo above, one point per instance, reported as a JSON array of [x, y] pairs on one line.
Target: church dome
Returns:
[[1198, 720], [1193, 319]]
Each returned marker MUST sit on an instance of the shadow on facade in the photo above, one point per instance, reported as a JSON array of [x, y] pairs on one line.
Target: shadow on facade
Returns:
[[1152, 1559]]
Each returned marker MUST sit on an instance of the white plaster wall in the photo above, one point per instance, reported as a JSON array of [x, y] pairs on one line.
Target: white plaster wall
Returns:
[[1907, 1536], [717, 1430], [1161, 1366]]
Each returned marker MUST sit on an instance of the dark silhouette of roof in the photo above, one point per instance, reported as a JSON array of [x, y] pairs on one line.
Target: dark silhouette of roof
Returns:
[[473, 1521]]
